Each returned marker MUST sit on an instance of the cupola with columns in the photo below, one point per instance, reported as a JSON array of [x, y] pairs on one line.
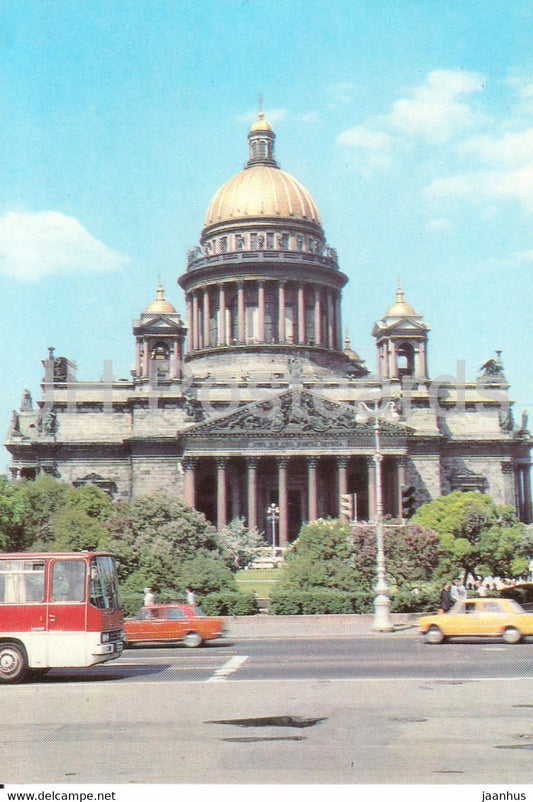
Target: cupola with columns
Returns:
[[160, 336], [401, 342], [263, 282]]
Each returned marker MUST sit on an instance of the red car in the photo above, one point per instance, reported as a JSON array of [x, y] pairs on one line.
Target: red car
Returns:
[[171, 623]]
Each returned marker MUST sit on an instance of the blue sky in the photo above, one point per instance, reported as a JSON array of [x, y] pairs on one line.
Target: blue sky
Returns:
[[410, 122]]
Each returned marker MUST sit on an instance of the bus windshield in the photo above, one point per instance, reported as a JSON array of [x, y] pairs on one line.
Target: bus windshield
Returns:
[[104, 590]]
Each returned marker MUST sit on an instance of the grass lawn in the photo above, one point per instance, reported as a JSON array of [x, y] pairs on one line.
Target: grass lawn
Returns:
[[259, 582]]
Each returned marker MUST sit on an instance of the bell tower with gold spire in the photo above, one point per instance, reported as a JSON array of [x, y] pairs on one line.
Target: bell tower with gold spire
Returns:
[[401, 341]]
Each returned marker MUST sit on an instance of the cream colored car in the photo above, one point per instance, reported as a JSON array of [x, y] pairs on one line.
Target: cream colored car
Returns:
[[492, 618]]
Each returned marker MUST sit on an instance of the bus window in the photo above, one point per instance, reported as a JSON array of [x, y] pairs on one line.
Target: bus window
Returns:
[[103, 591], [68, 581], [21, 581]]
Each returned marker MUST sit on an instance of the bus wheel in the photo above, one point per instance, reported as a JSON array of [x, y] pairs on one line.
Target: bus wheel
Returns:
[[13, 662]]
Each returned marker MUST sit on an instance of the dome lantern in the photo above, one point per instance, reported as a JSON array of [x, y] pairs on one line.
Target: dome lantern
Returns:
[[261, 143]]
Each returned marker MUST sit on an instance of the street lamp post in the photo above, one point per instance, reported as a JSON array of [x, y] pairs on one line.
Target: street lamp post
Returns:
[[273, 516], [382, 619]]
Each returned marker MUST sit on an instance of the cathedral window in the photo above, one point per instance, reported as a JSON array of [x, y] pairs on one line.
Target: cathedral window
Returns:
[[223, 244], [254, 242], [270, 240], [283, 242]]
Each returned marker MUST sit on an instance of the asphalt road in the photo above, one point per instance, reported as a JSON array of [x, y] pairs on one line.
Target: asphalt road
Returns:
[[386, 657], [365, 710]]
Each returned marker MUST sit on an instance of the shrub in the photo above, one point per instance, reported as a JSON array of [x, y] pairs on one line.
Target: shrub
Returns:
[[318, 601], [421, 598], [229, 602]]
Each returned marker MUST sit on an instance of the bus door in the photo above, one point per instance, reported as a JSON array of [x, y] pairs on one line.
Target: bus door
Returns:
[[22, 602], [67, 611]]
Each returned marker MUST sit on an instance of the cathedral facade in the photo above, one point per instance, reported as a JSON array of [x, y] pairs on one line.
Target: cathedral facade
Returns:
[[257, 399]]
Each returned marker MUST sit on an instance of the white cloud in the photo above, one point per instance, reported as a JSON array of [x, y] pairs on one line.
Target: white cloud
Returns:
[[512, 149], [436, 110], [505, 171], [362, 137], [371, 150], [38, 244]]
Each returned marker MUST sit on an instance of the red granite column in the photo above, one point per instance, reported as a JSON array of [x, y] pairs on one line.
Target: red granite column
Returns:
[[283, 502], [189, 322], [282, 333], [312, 463], [342, 480], [252, 491], [318, 317], [330, 320], [206, 314], [301, 313], [221, 332], [195, 338], [189, 481], [241, 323], [221, 463], [261, 311], [400, 482]]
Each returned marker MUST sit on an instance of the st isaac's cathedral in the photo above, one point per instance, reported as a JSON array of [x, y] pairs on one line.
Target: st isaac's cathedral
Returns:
[[255, 398]]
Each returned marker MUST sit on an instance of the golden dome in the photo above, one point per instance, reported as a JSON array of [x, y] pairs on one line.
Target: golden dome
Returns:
[[160, 304], [262, 191], [261, 124], [400, 308]]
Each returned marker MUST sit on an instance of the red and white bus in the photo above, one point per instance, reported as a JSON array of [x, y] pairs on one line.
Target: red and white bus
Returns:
[[57, 610]]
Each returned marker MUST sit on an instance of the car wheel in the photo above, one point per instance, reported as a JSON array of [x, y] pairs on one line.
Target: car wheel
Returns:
[[434, 635], [192, 639], [511, 635], [13, 662]]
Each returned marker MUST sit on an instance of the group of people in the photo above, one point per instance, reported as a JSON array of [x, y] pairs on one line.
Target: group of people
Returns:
[[149, 598], [451, 594]]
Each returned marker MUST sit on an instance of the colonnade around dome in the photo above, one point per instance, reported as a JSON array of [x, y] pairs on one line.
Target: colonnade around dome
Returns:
[[263, 311]]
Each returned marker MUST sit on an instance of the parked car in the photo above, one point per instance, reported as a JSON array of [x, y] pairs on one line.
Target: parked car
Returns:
[[171, 623], [503, 618]]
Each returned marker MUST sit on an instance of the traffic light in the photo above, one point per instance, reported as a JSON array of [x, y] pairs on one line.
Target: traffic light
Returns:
[[408, 501]]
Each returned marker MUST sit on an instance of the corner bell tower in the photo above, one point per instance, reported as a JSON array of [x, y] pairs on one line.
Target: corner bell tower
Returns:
[[401, 342], [160, 336]]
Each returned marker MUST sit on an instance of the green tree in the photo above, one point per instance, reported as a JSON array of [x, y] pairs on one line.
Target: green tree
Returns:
[[412, 554], [476, 535], [238, 544], [9, 531], [36, 502], [153, 535], [320, 557]]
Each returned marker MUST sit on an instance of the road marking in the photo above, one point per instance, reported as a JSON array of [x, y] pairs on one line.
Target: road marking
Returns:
[[232, 665]]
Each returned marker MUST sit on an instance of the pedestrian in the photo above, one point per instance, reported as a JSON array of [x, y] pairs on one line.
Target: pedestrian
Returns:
[[149, 598], [445, 598], [189, 595], [458, 591]]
